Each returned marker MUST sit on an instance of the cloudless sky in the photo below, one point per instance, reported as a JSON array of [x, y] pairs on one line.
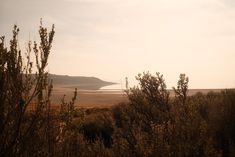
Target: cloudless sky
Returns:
[[112, 39]]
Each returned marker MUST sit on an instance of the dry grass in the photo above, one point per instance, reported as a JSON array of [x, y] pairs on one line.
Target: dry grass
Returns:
[[101, 99], [89, 98]]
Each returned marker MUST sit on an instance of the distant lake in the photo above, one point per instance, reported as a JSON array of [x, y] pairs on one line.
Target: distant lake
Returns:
[[114, 87]]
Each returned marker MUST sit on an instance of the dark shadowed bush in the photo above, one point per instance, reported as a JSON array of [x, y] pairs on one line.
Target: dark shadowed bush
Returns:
[[150, 124], [24, 97]]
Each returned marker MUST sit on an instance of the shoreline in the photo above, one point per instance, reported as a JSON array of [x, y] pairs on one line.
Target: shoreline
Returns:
[[103, 98]]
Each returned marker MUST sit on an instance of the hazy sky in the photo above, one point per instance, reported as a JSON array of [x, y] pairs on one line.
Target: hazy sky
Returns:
[[112, 39]]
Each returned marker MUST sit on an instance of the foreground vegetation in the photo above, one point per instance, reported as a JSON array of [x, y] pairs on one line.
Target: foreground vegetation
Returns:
[[150, 124]]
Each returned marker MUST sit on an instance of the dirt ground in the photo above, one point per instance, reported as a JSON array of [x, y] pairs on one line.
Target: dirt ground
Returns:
[[101, 98], [89, 98]]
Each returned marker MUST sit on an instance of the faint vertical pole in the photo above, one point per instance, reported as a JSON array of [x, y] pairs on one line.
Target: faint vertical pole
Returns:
[[127, 83]]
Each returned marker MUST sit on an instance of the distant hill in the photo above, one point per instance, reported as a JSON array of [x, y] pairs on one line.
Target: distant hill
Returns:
[[80, 82]]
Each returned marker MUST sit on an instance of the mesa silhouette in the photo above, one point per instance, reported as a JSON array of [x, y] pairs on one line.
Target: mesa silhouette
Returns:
[[80, 82]]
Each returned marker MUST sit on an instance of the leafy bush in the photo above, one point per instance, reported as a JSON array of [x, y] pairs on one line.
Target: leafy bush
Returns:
[[22, 91], [150, 124]]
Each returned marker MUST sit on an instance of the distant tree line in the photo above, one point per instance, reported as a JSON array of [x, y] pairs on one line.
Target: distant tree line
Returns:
[[150, 124]]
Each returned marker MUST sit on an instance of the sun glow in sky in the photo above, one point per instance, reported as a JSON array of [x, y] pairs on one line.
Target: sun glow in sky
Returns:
[[112, 39]]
